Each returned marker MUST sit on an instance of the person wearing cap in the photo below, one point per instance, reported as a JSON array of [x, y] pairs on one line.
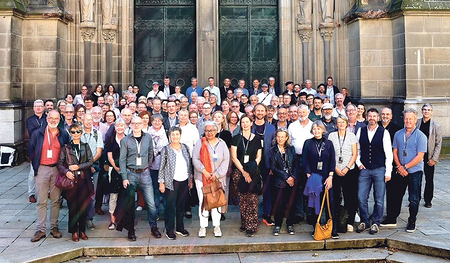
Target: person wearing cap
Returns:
[[289, 88], [156, 92], [328, 120], [265, 96]]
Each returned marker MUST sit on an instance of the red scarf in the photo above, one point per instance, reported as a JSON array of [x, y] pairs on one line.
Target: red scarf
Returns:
[[205, 158]]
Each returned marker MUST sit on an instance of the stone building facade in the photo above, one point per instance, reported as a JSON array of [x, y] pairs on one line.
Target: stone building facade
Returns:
[[386, 52]]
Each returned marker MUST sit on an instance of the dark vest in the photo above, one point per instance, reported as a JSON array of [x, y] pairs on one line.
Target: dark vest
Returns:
[[372, 153]]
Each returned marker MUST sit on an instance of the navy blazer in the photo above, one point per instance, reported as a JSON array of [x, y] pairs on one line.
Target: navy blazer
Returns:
[[269, 135], [34, 123], [36, 143]]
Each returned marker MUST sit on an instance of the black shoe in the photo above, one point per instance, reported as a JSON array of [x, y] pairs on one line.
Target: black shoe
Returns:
[[242, 229], [188, 214], [334, 235], [428, 205], [298, 219], [249, 233], [131, 236], [411, 227], [222, 217], [362, 227], [291, 230], [388, 223], [155, 232], [183, 233], [171, 235]]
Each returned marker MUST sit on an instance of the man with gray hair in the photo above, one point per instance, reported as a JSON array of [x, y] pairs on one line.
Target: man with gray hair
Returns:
[[433, 132], [410, 145], [308, 88], [34, 122]]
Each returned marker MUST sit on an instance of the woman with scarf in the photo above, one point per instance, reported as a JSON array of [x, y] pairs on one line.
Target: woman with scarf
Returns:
[[246, 153], [75, 162], [211, 159], [160, 140], [319, 158], [175, 179]]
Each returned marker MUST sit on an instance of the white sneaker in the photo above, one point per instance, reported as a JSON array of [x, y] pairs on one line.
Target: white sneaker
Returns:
[[349, 228], [357, 218], [139, 208], [217, 231], [202, 232]]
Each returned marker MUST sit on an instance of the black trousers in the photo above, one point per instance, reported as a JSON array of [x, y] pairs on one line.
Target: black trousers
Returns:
[[78, 200], [175, 203], [102, 184], [429, 181], [347, 186], [395, 190], [283, 203]]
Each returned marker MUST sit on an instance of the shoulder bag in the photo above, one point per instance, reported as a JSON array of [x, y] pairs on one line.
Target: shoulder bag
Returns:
[[324, 232], [61, 181]]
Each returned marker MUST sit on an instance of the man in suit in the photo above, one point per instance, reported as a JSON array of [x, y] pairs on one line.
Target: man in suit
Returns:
[[331, 90], [226, 87], [433, 132], [166, 87]]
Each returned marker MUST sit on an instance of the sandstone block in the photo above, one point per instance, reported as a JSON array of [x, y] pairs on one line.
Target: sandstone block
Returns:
[[29, 28], [47, 28], [5, 41], [372, 43], [414, 88], [47, 59], [30, 59], [432, 24], [436, 88], [46, 90], [39, 76], [398, 26], [418, 40], [5, 75], [376, 73], [5, 24], [441, 40], [385, 88], [370, 58], [442, 72], [40, 44], [436, 55], [29, 91], [414, 24], [368, 88]]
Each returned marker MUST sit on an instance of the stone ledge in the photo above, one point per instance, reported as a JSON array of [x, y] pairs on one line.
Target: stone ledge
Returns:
[[405, 242]]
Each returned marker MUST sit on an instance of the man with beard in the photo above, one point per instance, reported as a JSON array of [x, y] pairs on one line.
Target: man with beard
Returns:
[[266, 132], [44, 149], [300, 131], [282, 122], [316, 114], [327, 119]]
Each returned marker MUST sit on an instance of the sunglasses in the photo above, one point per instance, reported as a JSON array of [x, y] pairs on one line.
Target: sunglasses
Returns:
[[73, 132]]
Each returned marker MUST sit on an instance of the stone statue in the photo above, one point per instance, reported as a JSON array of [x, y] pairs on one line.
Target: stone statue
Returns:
[[107, 11], [327, 8], [305, 13], [87, 10]]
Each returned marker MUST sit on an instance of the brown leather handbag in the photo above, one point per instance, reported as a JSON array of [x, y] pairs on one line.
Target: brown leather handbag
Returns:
[[61, 181], [324, 232], [213, 195]]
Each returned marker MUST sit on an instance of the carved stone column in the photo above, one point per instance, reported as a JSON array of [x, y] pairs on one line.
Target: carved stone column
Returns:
[[326, 31], [87, 30], [304, 31], [109, 34]]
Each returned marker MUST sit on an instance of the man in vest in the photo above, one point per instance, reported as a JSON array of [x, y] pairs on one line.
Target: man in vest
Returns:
[[375, 162]]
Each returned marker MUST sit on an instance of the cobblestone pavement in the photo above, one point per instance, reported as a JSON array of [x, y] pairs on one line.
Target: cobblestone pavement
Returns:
[[18, 221]]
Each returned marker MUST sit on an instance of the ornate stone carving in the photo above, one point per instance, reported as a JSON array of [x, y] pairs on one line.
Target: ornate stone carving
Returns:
[[87, 33], [304, 33], [304, 18], [87, 10], [327, 10], [326, 31], [109, 35]]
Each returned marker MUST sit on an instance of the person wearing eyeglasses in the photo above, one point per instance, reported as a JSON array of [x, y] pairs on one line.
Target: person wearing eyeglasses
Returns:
[[136, 155], [79, 98], [44, 149], [77, 167], [205, 117]]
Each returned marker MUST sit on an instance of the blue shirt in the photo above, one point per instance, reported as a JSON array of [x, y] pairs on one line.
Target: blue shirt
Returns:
[[409, 148], [189, 91]]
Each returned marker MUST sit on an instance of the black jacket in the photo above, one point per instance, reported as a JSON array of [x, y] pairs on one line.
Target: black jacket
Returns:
[[277, 164]]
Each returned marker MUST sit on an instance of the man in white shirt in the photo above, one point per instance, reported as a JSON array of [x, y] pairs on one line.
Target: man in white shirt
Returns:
[[265, 96], [155, 92], [213, 89], [308, 89]]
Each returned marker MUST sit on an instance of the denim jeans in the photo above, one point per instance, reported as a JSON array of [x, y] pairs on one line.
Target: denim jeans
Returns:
[[31, 182], [91, 206], [414, 189], [144, 181], [367, 178], [157, 194]]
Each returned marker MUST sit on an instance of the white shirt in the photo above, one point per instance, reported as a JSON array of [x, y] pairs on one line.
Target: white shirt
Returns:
[[337, 112], [387, 147], [299, 134], [215, 90], [158, 94], [189, 136], [309, 91], [181, 173], [265, 98]]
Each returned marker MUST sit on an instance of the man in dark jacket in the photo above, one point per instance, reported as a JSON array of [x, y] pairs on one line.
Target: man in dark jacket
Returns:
[[38, 120], [44, 148]]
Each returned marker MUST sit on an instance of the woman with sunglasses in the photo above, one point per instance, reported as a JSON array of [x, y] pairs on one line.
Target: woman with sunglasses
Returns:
[[75, 162]]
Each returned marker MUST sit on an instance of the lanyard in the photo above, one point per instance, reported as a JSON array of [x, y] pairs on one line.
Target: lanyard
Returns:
[[264, 131], [215, 146], [341, 145], [40, 122], [246, 146], [138, 146], [407, 137], [48, 137], [319, 150]]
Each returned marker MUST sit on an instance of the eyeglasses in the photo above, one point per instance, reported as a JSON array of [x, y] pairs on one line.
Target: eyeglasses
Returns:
[[209, 131], [206, 108], [77, 131], [136, 123]]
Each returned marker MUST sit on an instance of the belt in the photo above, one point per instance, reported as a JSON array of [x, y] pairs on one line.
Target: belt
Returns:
[[50, 165], [137, 170]]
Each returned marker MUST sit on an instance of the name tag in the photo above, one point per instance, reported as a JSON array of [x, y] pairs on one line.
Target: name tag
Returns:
[[138, 161], [215, 158], [246, 158], [262, 143], [49, 154], [320, 166]]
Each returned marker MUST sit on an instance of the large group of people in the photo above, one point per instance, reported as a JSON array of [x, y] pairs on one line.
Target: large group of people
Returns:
[[162, 148]]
